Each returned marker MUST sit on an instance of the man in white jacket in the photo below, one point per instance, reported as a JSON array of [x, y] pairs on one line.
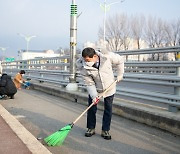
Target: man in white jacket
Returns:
[[96, 69]]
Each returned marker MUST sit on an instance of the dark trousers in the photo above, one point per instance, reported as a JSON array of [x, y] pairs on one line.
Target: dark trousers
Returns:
[[91, 114]]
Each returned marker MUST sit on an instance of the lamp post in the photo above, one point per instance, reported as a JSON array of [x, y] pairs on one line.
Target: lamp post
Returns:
[[106, 7], [3, 50], [72, 86], [73, 40], [27, 38]]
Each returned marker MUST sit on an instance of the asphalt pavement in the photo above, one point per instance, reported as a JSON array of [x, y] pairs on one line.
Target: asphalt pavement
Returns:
[[41, 114]]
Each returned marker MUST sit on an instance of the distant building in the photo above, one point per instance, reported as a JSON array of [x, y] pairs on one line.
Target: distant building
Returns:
[[32, 54], [89, 44]]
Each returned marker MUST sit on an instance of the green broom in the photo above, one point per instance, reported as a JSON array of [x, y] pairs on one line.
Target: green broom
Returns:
[[59, 136]]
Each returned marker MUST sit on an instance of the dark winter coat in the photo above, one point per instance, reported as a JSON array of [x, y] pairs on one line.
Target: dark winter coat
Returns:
[[7, 86]]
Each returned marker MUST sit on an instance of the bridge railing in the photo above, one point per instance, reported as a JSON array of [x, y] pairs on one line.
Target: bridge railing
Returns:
[[151, 82], [145, 67], [152, 67]]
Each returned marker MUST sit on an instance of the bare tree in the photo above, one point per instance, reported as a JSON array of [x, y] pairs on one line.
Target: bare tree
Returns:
[[121, 31], [175, 32], [159, 33], [112, 33], [172, 33], [126, 35], [117, 32], [154, 34], [149, 34], [168, 34], [137, 25], [160, 37]]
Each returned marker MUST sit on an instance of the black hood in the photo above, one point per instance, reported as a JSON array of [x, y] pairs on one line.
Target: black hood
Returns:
[[5, 76]]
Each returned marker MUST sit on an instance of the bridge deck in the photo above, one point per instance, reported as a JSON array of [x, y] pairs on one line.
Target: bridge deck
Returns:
[[42, 114]]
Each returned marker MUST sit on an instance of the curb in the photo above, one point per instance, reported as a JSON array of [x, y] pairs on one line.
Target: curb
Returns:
[[152, 116], [26, 137]]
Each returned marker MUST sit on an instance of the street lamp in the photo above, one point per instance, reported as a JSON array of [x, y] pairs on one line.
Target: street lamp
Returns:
[[27, 38], [106, 7], [3, 50]]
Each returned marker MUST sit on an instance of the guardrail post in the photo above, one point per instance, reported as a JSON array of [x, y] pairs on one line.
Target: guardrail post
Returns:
[[17, 65], [65, 67], [177, 89], [41, 76]]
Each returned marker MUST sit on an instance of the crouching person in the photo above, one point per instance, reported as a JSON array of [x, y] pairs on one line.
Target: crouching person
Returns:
[[18, 79], [7, 86]]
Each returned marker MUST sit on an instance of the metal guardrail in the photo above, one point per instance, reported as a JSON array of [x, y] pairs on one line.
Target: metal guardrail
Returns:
[[156, 67], [55, 63], [169, 99], [142, 78], [150, 51]]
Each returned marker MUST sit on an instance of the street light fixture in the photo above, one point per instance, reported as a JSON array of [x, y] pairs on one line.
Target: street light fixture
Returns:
[[3, 50], [106, 7], [27, 38]]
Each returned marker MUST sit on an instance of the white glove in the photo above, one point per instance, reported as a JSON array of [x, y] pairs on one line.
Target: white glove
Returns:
[[20, 82], [119, 78]]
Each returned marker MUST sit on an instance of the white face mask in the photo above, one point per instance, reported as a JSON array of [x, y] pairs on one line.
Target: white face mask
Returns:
[[22, 74], [90, 64]]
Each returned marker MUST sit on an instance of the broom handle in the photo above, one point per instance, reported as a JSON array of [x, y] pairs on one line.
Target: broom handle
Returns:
[[93, 103]]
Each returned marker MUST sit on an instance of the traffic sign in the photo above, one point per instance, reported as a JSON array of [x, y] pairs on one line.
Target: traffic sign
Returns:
[[9, 59]]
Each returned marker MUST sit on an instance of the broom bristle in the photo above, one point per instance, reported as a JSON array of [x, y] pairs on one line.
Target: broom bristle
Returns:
[[58, 137]]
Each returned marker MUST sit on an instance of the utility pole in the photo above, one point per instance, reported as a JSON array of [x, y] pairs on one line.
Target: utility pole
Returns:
[[72, 86]]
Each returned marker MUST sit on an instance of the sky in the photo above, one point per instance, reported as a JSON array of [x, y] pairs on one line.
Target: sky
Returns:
[[49, 20]]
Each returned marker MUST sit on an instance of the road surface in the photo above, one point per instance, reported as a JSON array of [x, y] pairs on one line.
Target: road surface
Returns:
[[43, 114]]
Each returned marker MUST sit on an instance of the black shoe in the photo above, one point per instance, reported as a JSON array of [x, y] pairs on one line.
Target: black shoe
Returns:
[[12, 97], [106, 135], [90, 132]]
